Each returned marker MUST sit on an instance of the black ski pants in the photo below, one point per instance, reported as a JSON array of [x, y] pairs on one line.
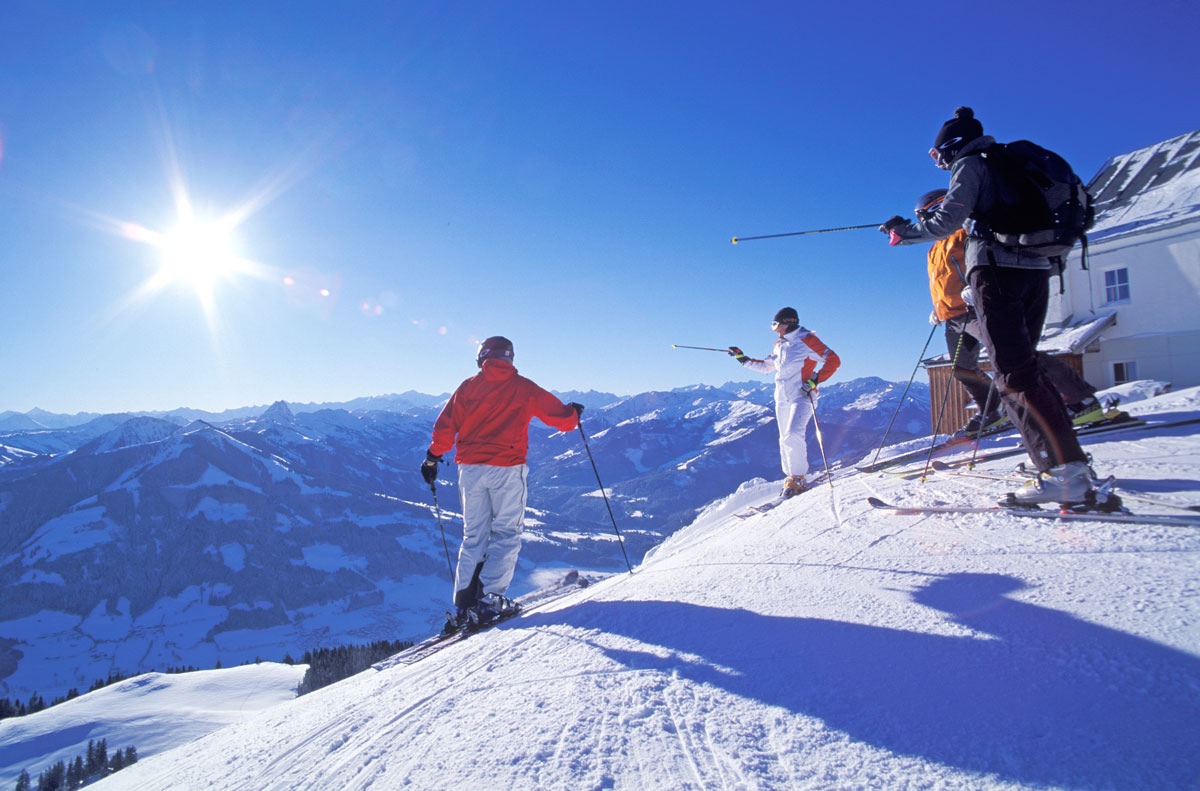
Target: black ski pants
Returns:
[[1011, 304], [962, 343]]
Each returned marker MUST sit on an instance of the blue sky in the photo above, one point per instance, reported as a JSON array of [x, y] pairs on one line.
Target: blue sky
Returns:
[[401, 179]]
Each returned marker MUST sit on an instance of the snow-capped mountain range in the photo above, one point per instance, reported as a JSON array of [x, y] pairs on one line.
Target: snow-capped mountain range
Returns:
[[131, 543]]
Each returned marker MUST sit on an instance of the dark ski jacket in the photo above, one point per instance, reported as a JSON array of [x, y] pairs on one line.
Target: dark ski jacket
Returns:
[[971, 191]]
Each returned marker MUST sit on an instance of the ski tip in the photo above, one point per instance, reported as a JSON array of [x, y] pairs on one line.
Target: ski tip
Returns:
[[877, 503]]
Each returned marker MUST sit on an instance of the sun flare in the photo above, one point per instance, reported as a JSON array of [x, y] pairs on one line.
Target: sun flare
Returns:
[[198, 253]]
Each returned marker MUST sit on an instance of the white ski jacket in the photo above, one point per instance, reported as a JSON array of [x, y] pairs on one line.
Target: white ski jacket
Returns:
[[798, 356]]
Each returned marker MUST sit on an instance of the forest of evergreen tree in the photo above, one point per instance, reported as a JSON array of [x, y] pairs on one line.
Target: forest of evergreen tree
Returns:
[[327, 665], [85, 769]]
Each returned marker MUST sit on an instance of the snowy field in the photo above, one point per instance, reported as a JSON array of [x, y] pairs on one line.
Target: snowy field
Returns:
[[821, 645], [153, 713]]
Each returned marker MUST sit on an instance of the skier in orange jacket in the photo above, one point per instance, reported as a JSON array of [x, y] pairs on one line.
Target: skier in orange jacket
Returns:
[[488, 419]]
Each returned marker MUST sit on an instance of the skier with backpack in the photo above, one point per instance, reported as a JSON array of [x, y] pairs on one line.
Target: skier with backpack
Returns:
[[1020, 205], [953, 306], [488, 418], [800, 362]]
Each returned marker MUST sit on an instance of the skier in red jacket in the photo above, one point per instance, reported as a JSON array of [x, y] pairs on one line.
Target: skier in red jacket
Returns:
[[488, 419]]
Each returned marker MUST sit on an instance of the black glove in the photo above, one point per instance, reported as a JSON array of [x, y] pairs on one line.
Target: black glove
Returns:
[[894, 222], [577, 407], [429, 468], [737, 354]]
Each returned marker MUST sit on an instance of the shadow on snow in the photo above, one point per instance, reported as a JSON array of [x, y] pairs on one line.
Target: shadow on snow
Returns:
[[1035, 695]]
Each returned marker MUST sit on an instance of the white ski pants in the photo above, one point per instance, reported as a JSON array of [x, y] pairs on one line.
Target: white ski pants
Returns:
[[493, 506], [793, 418]]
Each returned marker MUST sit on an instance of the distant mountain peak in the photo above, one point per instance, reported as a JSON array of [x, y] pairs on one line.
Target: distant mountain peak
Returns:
[[135, 431], [279, 412]]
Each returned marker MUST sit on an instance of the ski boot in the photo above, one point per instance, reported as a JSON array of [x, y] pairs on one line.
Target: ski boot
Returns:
[[1089, 410], [462, 619], [1068, 484], [493, 607], [980, 424], [794, 485]]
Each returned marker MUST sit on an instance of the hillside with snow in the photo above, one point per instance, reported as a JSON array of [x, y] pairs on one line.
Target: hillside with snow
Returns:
[[152, 713], [822, 644]]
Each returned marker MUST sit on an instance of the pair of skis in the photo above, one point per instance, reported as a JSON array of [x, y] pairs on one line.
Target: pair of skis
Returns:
[[1109, 484], [530, 602], [1102, 427], [948, 446], [821, 479], [1180, 520]]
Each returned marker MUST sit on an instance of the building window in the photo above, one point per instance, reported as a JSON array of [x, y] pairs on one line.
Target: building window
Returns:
[[1116, 286], [1124, 372]]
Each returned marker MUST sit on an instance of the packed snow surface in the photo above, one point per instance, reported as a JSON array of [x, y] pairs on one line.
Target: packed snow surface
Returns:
[[822, 644]]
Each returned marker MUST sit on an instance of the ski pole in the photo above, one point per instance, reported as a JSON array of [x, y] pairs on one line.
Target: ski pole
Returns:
[[620, 540], [937, 424], [701, 348], [987, 410], [820, 439], [904, 395], [737, 239], [438, 510]]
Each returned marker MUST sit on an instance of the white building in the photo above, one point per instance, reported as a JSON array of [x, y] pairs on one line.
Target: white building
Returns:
[[1135, 312]]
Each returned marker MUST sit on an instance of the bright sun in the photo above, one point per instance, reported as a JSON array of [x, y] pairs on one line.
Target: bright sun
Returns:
[[199, 253]]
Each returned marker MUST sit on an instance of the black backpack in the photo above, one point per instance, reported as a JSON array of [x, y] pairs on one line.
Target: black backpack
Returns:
[[1039, 204]]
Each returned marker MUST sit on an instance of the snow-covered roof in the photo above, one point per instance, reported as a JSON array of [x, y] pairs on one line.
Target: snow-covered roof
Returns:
[[1148, 189], [1073, 337], [1076, 335]]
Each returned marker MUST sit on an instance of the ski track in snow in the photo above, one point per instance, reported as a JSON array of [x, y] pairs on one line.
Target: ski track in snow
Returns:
[[822, 644]]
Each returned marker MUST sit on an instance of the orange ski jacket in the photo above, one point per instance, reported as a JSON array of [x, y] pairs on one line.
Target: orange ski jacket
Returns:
[[947, 266], [489, 414]]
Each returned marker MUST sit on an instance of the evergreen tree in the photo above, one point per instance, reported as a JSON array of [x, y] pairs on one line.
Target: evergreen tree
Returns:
[[102, 757], [23, 781], [75, 774], [54, 778], [91, 766], [36, 703]]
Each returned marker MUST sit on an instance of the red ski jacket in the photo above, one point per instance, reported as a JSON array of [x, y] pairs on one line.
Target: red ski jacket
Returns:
[[488, 417]]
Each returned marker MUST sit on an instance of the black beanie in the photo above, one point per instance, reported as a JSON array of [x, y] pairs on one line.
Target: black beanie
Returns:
[[787, 316], [496, 347], [957, 132]]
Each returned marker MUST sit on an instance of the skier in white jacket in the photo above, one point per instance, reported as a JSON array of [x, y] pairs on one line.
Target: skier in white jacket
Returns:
[[800, 362]]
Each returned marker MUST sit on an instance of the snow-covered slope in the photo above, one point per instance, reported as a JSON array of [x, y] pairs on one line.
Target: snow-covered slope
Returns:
[[820, 645], [152, 713]]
